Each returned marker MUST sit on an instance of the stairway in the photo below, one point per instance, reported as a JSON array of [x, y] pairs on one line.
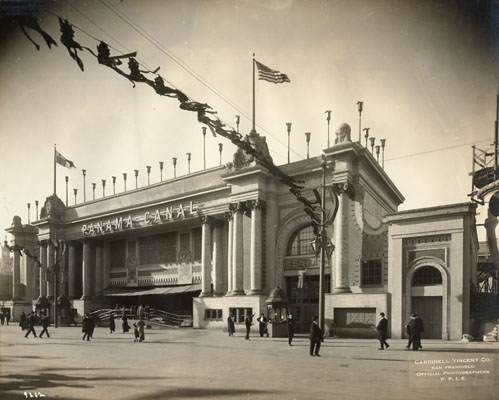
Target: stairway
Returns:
[[490, 329]]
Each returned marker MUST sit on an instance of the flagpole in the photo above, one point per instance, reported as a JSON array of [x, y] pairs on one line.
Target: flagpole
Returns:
[[55, 187], [253, 93]]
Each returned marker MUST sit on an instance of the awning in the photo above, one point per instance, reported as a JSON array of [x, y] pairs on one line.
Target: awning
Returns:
[[153, 291]]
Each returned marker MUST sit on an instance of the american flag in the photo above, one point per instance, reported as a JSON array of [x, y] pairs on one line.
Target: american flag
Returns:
[[267, 74]]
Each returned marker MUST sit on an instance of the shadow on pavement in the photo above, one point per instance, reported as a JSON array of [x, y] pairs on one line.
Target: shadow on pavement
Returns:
[[460, 350], [38, 382], [201, 393]]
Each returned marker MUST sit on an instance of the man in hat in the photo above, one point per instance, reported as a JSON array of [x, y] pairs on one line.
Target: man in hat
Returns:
[[31, 322], [416, 328], [315, 337], [45, 325], [382, 329]]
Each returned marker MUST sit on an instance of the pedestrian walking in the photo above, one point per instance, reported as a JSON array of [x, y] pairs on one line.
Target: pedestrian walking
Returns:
[[315, 337], [230, 325], [408, 331], [45, 325], [416, 327], [141, 325], [2, 318], [262, 325], [85, 327], [382, 329], [22, 321], [291, 328], [248, 321], [136, 333], [112, 324], [31, 321], [124, 323], [7, 317]]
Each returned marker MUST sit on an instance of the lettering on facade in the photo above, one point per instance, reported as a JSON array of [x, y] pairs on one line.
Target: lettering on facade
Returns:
[[298, 263], [149, 217]]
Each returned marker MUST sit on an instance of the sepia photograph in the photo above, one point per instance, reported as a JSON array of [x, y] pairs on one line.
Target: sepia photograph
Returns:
[[249, 199]]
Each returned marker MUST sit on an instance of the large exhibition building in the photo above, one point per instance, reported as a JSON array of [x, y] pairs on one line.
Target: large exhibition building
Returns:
[[223, 241]]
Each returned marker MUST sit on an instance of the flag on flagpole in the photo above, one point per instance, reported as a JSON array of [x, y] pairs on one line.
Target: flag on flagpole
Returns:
[[61, 160], [267, 74]]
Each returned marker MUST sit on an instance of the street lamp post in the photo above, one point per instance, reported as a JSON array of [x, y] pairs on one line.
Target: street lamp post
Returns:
[[114, 184], [136, 178], [288, 124], [174, 166], [148, 167], [84, 185], [220, 149], [328, 119], [360, 105], [93, 190], [124, 180], [321, 244], [204, 146], [75, 191], [307, 138], [161, 164]]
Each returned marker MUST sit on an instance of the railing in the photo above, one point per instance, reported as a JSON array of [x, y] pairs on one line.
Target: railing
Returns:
[[183, 319], [167, 318]]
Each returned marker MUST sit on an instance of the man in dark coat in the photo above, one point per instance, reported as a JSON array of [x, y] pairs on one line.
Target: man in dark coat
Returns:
[[382, 329], [45, 324], [22, 321], [124, 323], [416, 328], [31, 322], [2, 318], [85, 327], [315, 337], [262, 325], [7, 317], [230, 325], [248, 322], [291, 328], [112, 324]]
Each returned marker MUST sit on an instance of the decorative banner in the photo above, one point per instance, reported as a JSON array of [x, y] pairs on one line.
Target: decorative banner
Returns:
[[205, 114]]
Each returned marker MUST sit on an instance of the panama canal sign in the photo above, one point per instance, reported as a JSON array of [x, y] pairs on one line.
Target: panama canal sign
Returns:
[[150, 217]]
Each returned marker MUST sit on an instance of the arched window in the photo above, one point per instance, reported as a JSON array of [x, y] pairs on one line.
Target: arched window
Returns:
[[427, 276], [299, 244]]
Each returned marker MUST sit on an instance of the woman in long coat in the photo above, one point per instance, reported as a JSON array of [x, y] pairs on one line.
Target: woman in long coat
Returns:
[[125, 325], [112, 324]]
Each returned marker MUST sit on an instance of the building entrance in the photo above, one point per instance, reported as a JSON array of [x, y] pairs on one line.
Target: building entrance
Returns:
[[429, 309]]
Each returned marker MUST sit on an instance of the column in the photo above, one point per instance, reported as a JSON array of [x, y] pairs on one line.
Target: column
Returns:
[[106, 264], [98, 267], [229, 253], [71, 270], [28, 276], [16, 276], [50, 265], [217, 260], [63, 276], [206, 258], [43, 269], [237, 251], [87, 270], [341, 284], [256, 248]]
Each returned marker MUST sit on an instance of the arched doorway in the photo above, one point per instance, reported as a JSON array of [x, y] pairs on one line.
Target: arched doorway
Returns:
[[426, 290]]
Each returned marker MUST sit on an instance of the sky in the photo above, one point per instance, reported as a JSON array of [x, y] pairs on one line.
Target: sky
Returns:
[[425, 70]]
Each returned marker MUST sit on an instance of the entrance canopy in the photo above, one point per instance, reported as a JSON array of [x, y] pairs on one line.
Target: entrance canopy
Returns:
[[153, 291]]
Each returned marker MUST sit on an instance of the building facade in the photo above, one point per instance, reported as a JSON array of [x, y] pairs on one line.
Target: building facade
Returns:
[[218, 241]]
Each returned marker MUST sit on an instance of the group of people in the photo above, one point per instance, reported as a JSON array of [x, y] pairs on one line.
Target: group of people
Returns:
[[414, 329], [28, 323], [316, 335], [4, 317]]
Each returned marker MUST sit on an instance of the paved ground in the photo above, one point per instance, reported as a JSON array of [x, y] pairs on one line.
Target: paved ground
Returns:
[[200, 364]]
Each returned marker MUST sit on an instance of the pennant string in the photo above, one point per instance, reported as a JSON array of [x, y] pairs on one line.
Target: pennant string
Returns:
[[205, 114]]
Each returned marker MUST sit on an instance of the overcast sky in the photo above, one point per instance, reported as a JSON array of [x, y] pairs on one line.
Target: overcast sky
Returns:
[[424, 69]]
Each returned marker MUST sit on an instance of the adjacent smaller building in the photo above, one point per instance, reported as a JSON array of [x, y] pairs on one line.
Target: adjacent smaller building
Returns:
[[432, 260]]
